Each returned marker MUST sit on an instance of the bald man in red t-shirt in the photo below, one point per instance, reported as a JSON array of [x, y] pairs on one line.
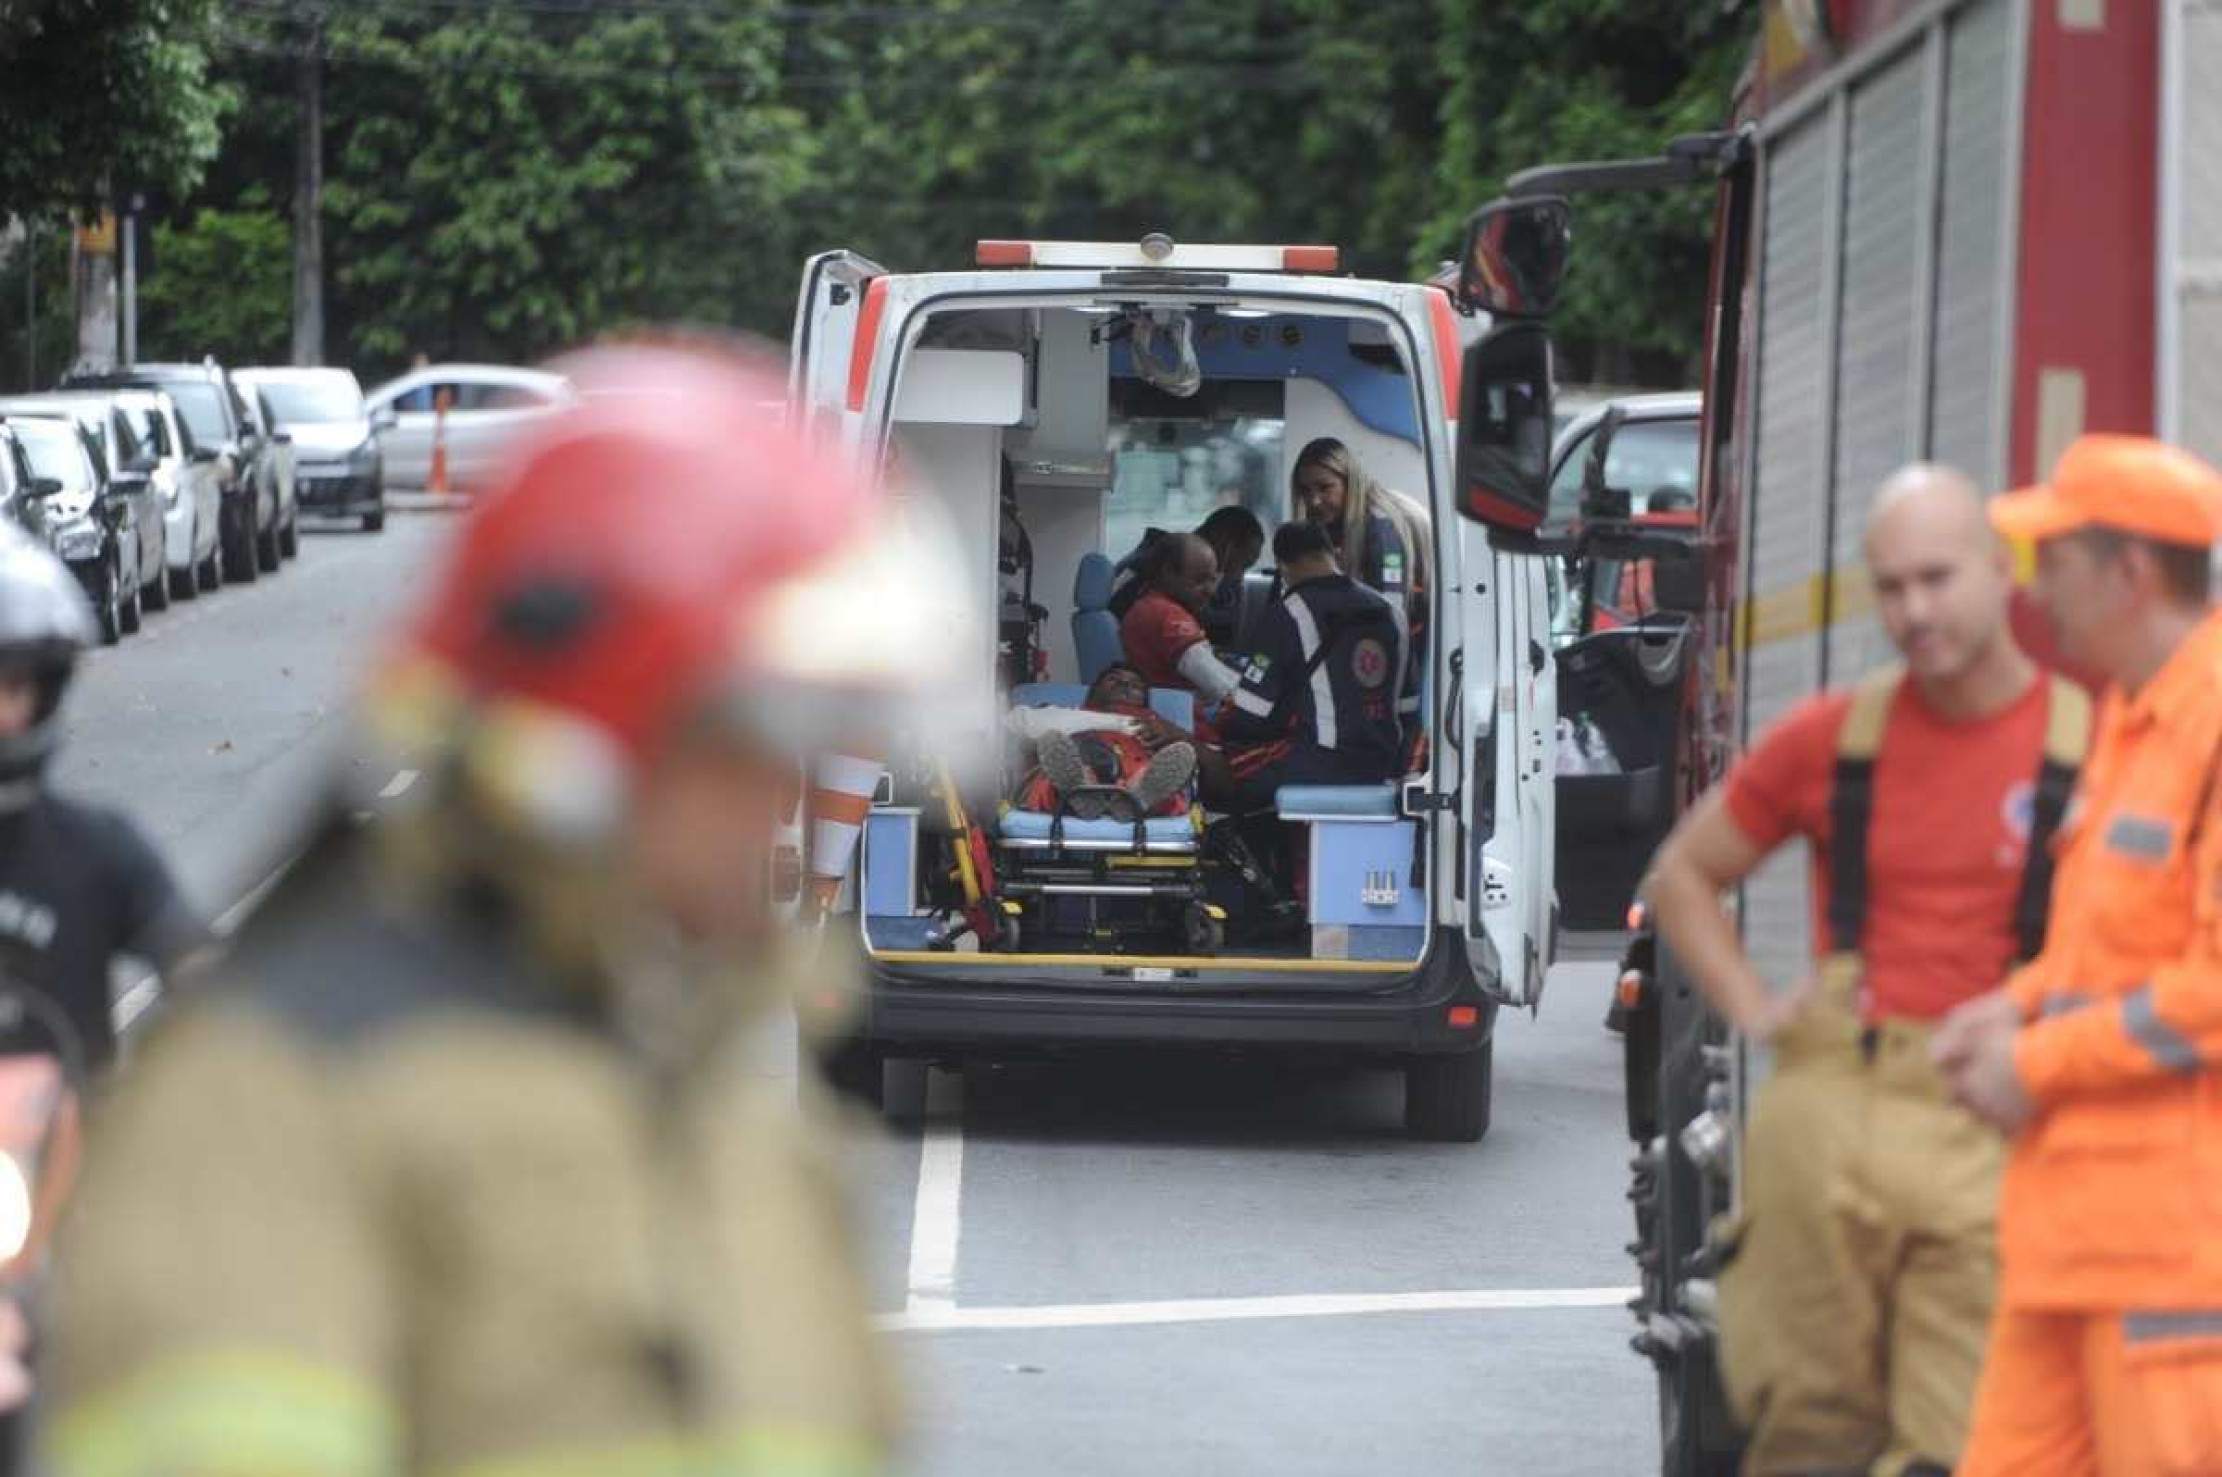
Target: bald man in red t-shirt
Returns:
[[1854, 1308]]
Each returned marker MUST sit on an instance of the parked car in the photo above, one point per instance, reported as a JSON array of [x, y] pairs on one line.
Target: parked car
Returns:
[[1620, 626], [339, 468], [1653, 458], [69, 505], [218, 419], [126, 475], [15, 481], [190, 485], [274, 472], [486, 405]]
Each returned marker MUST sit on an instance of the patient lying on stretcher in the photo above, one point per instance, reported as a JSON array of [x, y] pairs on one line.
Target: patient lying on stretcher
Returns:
[[1116, 741]]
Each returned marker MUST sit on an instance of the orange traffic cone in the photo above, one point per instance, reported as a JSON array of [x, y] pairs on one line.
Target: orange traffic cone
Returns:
[[438, 479]]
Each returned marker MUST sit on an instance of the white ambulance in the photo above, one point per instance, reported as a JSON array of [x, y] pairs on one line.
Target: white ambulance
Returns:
[[1057, 401]]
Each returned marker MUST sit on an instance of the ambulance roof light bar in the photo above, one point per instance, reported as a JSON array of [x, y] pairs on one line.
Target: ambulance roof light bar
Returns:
[[1159, 251]]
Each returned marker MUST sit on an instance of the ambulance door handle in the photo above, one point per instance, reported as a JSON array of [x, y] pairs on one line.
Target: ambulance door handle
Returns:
[[1536, 656]]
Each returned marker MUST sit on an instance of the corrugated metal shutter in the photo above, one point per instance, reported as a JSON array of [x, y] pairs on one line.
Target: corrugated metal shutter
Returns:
[[1789, 506], [2199, 243], [1788, 526], [1964, 395], [1875, 422]]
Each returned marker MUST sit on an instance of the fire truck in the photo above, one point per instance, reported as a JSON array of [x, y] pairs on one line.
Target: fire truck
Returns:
[[1958, 230]]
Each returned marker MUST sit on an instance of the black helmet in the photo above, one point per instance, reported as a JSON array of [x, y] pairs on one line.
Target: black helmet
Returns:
[[44, 624]]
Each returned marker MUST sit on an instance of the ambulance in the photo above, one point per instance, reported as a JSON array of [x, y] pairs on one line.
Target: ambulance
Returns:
[[1056, 402]]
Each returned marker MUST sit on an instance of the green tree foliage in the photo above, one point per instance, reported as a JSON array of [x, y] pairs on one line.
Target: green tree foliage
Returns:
[[222, 284], [1594, 79], [103, 95], [507, 177]]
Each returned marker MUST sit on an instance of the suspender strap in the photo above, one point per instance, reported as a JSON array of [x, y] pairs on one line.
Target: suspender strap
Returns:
[[1852, 806], [2067, 735]]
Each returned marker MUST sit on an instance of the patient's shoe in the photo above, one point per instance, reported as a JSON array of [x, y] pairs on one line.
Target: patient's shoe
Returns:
[[1170, 770], [1061, 761]]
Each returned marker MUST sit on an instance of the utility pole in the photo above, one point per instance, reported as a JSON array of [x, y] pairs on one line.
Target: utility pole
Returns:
[[30, 304], [308, 198], [129, 226]]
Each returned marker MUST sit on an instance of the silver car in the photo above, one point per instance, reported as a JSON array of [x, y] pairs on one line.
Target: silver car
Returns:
[[339, 470], [484, 406], [124, 476]]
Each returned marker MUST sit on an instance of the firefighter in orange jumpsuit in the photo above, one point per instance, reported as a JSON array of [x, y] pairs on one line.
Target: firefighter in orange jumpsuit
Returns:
[[2105, 1358]]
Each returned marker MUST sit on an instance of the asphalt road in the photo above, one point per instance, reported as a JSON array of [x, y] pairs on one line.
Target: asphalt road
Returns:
[[1140, 1265]]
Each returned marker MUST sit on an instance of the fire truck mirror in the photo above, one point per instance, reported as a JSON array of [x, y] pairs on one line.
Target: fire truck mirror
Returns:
[[1514, 259], [1504, 430]]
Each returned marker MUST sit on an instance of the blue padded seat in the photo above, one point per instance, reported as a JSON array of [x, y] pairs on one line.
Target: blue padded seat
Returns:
[[1158, 830], [1095, 630], [1336, 802]]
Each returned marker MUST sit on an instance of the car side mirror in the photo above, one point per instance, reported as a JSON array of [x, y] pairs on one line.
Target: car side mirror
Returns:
[[1504, 431], [1513, 261], [385, 419], [43, 487]]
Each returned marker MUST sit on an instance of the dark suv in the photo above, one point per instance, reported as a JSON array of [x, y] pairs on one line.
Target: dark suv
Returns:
[[253, 516]]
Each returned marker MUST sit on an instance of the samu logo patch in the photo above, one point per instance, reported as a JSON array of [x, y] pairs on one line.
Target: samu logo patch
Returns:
[[1369, 663]]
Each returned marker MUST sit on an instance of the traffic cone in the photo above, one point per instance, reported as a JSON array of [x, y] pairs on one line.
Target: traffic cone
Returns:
[[439, 443]]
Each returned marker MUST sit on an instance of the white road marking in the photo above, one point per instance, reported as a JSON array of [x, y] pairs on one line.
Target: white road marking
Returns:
[[398, 785], [135, 1001], [952, 1319], [230, 919], [934, 1218]]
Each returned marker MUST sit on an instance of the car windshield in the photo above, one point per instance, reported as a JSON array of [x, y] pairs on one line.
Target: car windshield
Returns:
[[54, 451], [200, 405], [313, 401]]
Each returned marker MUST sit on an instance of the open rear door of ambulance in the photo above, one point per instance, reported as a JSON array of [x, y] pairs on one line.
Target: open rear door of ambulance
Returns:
[[836, 286]]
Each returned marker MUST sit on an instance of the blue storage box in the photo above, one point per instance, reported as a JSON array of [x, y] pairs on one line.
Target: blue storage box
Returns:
[[1362, 875]]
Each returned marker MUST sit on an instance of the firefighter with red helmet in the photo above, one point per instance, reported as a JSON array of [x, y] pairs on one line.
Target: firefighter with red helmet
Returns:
[[472, 1167]]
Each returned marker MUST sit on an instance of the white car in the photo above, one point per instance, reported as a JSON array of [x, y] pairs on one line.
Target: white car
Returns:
[[486, 404], [191, 488], [337, 468]]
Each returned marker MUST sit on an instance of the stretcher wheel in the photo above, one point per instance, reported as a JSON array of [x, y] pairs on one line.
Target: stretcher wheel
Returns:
[[1202, 933]]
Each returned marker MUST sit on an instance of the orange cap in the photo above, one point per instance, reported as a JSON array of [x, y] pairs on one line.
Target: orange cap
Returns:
[[2132, 484]]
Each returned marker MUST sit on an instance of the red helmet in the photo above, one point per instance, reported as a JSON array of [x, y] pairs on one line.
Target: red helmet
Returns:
[[638, 563]]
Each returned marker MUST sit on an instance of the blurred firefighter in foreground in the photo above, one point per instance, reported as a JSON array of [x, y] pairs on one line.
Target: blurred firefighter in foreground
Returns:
[[1859, 1285], [2101, 1055], [471, 1169]]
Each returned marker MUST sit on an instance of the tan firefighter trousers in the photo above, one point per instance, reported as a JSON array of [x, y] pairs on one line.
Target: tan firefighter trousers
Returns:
[[1854, 1309]]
